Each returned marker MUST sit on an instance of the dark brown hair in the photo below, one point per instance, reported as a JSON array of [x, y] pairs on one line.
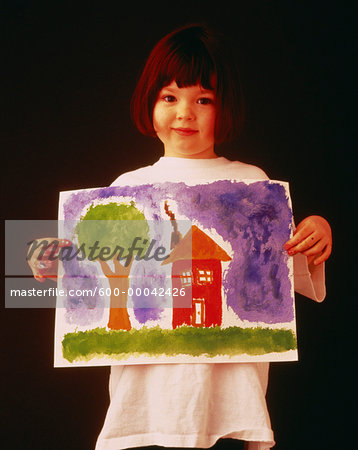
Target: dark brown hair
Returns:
[[191, 55]]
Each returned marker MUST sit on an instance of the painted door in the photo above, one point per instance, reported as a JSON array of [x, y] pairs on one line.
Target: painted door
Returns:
[[198, 317]]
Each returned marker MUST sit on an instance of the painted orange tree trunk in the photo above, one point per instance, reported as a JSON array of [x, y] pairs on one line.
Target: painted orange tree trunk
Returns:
[[119, 284]]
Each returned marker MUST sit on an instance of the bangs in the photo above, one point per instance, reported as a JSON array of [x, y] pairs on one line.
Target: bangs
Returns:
[[187, 65]]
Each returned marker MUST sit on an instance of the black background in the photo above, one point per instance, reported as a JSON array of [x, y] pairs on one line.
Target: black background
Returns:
[[70, 69]]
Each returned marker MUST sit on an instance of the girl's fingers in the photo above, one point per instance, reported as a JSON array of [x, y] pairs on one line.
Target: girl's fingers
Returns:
[[325, 255], [303, 242], [316, 249], [55, 249], [40, 278], [45, 269], [309, 232], [44, 265], [301, 233]]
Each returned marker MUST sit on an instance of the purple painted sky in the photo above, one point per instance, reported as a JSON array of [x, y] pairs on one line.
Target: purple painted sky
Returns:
[[254, 218]]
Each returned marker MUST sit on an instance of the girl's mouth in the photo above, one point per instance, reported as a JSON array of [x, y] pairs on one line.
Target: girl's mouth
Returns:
[[185, 131]]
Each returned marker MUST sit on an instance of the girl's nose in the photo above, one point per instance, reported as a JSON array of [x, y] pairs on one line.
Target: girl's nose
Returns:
[[185, 112]]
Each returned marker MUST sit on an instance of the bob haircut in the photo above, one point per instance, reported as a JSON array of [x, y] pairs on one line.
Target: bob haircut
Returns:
[[191, 55]]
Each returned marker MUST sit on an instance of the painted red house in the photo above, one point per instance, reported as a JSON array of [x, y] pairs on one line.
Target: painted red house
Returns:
[[197, 268]]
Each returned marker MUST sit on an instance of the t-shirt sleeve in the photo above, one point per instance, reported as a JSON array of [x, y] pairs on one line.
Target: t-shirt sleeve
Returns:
[[309, 280]]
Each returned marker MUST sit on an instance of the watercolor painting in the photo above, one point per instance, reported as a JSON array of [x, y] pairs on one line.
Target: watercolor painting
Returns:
[[176, 272]]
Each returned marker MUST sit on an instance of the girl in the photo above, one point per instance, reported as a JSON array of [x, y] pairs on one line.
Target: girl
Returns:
[[189, 97]]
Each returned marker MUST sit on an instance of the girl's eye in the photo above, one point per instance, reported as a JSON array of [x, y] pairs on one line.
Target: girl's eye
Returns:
[[205, 101], [169, 98]]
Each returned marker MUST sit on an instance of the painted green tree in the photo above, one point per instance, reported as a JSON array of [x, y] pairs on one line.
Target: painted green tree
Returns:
[[113, 229]]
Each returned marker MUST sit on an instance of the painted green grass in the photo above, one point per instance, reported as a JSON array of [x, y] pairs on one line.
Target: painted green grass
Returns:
[[85, 345]]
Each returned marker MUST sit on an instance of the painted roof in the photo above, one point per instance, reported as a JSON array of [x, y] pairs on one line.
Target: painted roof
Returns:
[[197, 245]]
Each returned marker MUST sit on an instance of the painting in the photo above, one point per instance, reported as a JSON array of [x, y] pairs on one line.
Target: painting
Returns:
[[175, 273]]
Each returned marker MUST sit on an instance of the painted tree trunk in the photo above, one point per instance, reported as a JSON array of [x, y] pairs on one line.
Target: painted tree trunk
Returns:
[[119, 284]]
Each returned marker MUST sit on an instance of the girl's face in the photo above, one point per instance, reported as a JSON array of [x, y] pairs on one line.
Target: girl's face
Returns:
[[184, 120]]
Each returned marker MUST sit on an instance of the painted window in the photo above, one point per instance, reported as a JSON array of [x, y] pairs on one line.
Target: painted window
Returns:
[[186, 278], [204, 276]]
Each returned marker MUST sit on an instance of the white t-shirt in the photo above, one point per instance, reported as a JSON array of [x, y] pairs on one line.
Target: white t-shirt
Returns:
[[194, 405]]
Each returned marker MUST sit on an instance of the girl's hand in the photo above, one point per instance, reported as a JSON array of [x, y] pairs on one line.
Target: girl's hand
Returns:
[[313, 238], [44, 260]]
